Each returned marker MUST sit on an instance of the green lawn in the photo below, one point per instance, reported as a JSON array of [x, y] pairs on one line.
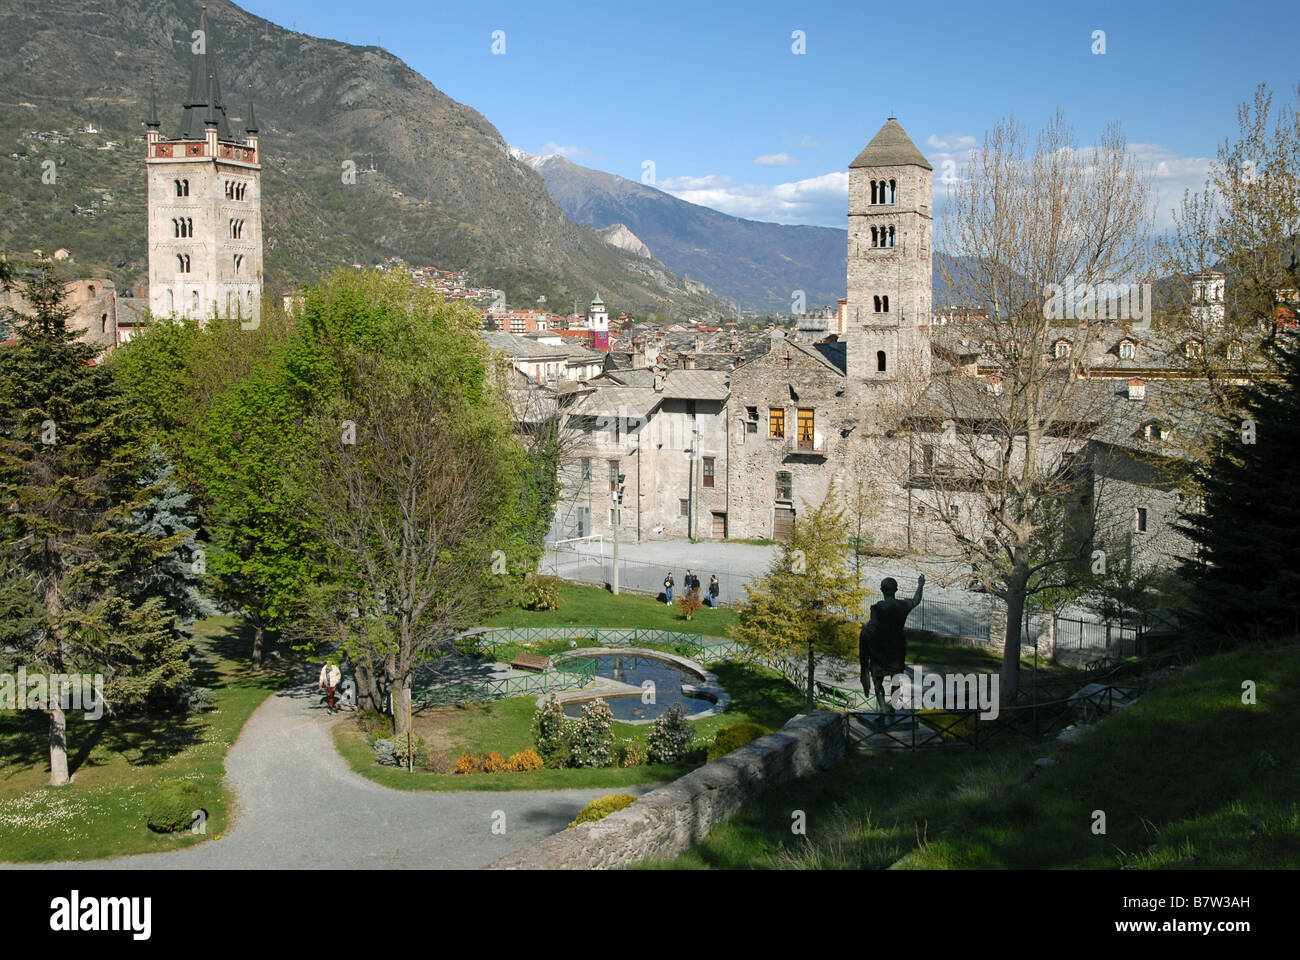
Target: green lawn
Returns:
[[115, 763], [594, 606], [1189, 776], [758, 695]]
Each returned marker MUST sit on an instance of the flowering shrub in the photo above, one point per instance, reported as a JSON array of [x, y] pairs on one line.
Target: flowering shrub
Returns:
[[670, 736], [551, 732], [494, 763], [633, 754], [467, 763], [592, 737], [525, 760], [602, 807], [540, 592]]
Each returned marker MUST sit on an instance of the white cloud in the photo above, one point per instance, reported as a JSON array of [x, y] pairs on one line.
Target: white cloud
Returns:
[[809, 143], [1171, 174], [775, 160], [955, 142], [821, 201]]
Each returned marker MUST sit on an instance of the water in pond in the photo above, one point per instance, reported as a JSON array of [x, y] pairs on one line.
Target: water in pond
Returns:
[[667, 677]]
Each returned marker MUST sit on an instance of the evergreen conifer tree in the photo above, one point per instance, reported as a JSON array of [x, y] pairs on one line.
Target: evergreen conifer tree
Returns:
[[71, 458], [1245, 578]]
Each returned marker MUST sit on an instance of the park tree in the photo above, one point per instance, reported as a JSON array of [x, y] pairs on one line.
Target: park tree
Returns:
[[1232, 274], [213, 400], [1245, 574], [74, 560], [411, 485], [810, 600], [1030, 226]]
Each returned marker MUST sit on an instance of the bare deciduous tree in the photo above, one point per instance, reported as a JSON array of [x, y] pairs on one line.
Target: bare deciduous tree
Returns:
[[1046, 239]]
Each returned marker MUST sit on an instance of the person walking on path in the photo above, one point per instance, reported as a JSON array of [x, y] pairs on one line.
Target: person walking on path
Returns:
[[713, 591], [330, 677], [668, 589], [882, 646]]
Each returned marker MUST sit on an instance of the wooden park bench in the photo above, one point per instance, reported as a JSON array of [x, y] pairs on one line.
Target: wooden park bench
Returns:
[[531, 661]]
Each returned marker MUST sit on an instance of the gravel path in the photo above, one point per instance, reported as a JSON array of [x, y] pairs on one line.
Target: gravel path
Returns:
[[301, 806]]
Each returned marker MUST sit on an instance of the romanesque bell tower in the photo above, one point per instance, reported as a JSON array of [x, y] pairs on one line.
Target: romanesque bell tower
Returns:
[[887, 316], [205, 204]]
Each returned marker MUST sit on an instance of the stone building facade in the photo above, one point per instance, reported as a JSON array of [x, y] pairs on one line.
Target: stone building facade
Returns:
[[740, 456]]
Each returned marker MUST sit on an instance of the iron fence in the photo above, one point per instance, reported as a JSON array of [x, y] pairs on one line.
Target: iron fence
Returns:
[[969, 727]]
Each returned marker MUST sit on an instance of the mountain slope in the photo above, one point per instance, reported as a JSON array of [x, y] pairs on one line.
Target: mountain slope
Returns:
[[465, 201], [759, 265]]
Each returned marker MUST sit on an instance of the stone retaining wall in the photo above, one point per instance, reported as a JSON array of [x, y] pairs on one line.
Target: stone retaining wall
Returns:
[[668, 820]]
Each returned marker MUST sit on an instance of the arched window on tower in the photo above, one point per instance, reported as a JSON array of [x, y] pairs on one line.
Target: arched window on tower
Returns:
[[880, 361], [178, 188], [893, 191], [877, 301], [185, 188], [189, 226], [885, 301], [875, 236], [874, 196], [176, 227], [194, 303]]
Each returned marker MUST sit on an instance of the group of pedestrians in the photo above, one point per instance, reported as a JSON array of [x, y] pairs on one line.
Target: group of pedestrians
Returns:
[[693, 586]]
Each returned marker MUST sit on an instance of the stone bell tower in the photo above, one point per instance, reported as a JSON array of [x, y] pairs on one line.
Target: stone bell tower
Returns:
[[887, 316], [205, 203]]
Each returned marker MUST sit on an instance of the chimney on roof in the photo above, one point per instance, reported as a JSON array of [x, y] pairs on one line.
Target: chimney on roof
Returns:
[[1137, 389]]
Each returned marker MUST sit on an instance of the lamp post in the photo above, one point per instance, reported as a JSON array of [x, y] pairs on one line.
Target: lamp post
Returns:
[[618, 522]]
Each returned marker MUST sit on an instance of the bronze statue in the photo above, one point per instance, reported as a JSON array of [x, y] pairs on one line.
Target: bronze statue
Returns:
[[882, 647]]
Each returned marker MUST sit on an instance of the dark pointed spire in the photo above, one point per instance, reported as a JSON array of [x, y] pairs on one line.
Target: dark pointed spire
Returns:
[[251, 125], [210, 118], [152, 123], [204, 96]]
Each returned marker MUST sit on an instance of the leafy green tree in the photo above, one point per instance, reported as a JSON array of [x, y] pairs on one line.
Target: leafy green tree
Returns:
[[217, 400], [410, 486], [71, 458], [809, 601]]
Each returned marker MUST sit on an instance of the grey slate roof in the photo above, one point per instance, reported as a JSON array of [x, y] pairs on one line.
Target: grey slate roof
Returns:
[[524, 347], [697, 385], [637, 402], [131, 310], [890, 147]]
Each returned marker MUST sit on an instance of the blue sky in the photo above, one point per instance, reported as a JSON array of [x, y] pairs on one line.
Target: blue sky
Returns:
[[714, 95]]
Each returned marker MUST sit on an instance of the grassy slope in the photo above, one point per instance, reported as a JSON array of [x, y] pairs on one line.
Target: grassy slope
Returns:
[[1187, 777], [115, 763]]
